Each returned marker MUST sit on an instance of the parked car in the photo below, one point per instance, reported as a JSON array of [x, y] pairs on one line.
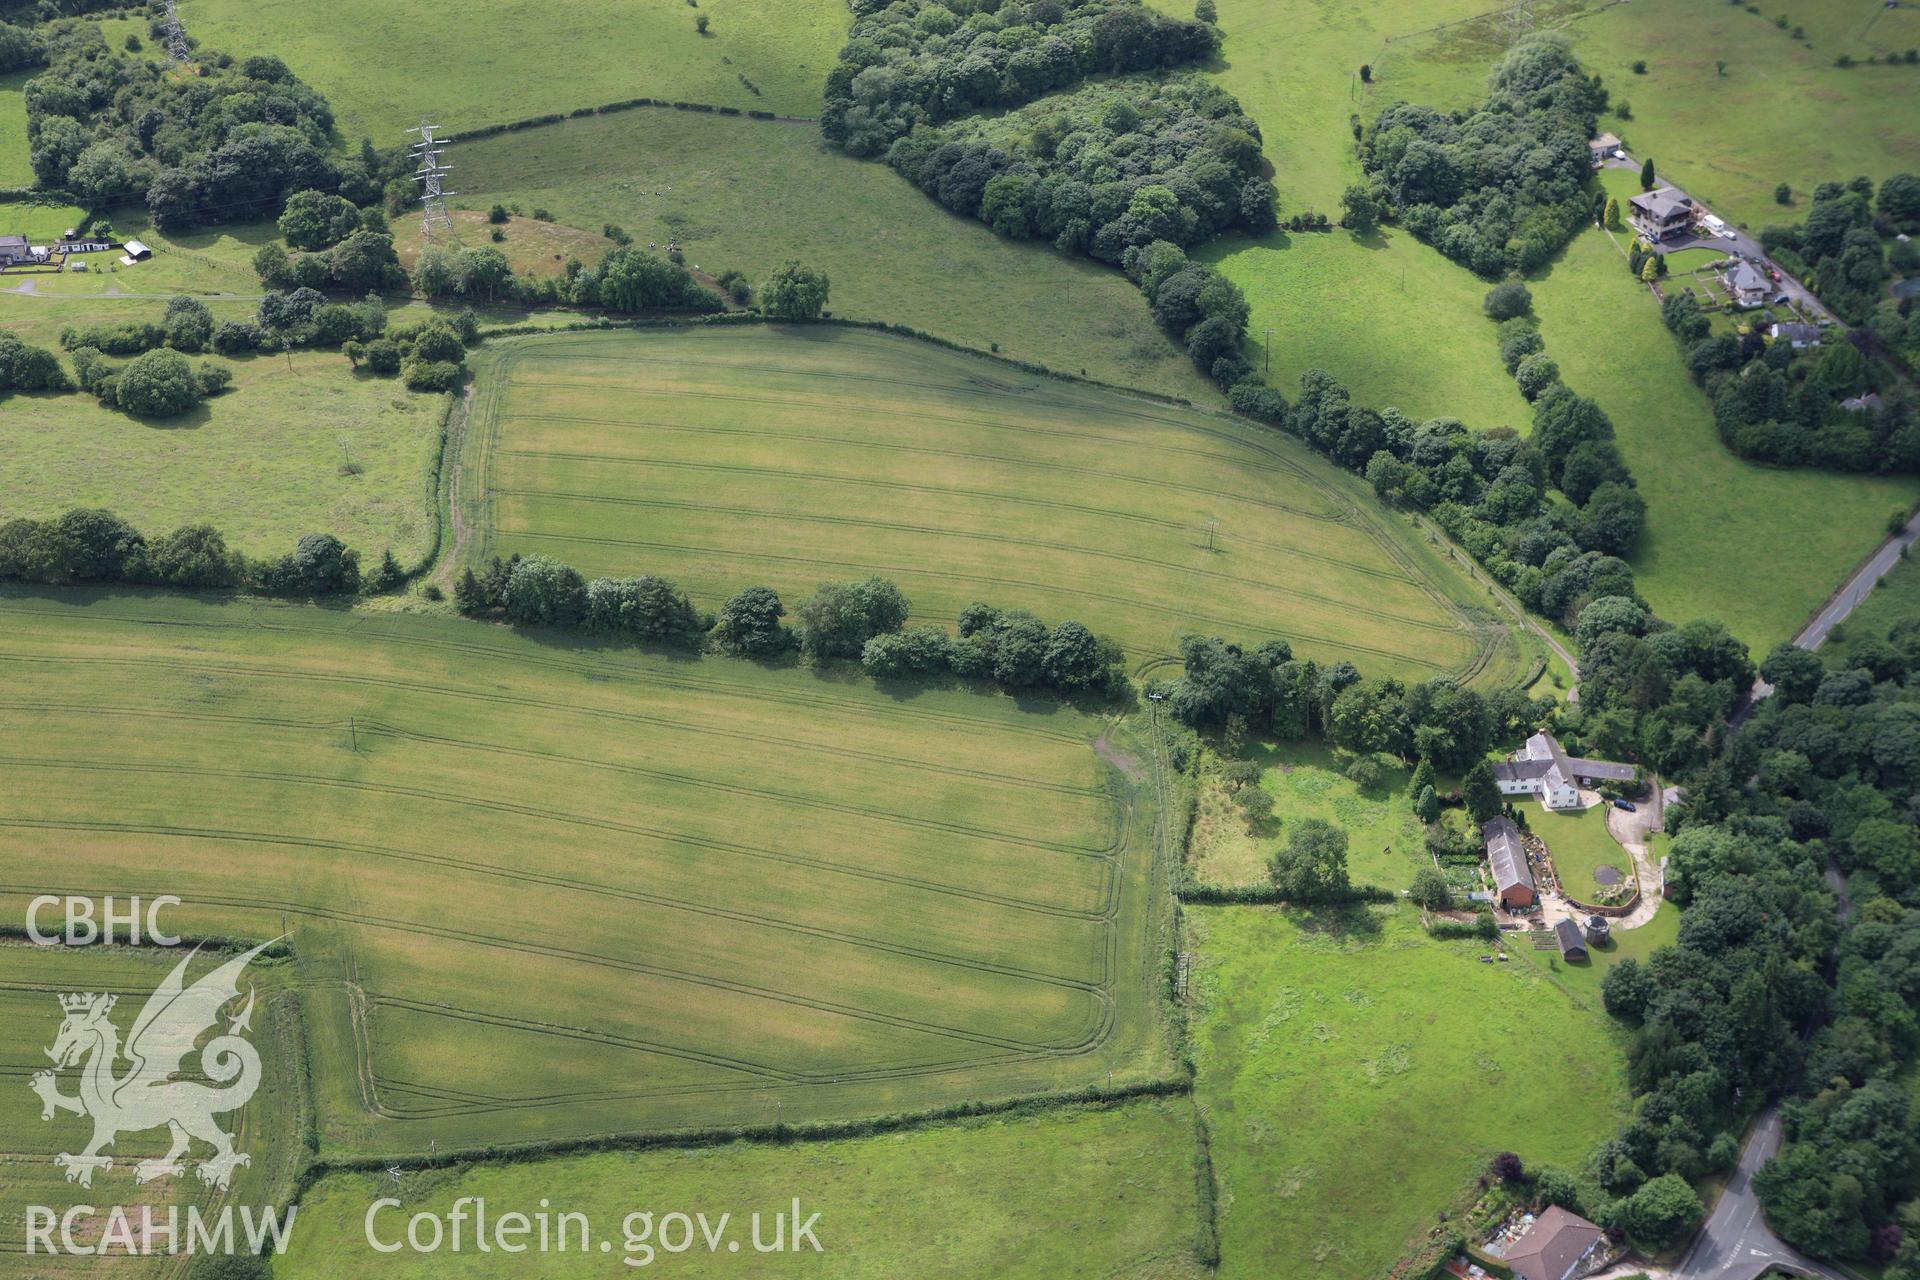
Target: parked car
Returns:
[[1627, 805]]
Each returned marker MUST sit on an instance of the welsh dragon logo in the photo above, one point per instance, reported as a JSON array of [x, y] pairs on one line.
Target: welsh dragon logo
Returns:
[[147, 1095]]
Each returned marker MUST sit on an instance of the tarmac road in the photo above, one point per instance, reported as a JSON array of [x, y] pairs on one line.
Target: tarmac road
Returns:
[[1736, 1243]]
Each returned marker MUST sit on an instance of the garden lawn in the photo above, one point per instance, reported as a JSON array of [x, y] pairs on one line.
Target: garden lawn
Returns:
[[729, 456], [1384, 841], [1581, 982], [1087, 1192], [726, 892], [266, 462], [1356, 1074], [14, 169], [750, 194], [1579, 842], [514, 59], [1757, 547], [1388, 316]]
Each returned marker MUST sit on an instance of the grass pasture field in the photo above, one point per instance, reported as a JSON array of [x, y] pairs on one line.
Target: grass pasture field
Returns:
[[267, 1128], [520, 58], [1356, 1074], [14, 169], [285, 452], [1385, 843], [729, 457], [1757, 547], [1103, 1193], [726, 893], [749, 194]]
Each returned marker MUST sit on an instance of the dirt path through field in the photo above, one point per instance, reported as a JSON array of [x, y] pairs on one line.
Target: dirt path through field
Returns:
[[459, 533]]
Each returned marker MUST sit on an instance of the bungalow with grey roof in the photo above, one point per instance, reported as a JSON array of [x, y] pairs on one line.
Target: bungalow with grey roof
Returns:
[[1798, 336]]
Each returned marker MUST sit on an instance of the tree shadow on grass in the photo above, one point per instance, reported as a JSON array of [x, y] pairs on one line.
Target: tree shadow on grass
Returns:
[[1339, 922]]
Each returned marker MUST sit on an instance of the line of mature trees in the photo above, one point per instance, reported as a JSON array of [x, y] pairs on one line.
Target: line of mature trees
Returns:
[[864, 622], [1502, 187], [1265, 689], [1489, 488], [88, 545]]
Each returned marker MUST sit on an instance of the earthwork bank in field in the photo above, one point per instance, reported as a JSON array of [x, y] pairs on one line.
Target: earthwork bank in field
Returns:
[[730, 457]]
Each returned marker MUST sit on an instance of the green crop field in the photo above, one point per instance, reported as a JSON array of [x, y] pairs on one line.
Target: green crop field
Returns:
[[32, 978], [725, 189], [1580, 843], [725, 458], [286, 452], [1356, 1075], [1385, 843], [1757, 547], [520, 58], [726, 893], [1082, 1192]]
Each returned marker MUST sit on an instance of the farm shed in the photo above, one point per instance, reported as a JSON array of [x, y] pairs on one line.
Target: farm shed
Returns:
[[1558, 1246], [1507, 859], [137, 251], [1572, 945]]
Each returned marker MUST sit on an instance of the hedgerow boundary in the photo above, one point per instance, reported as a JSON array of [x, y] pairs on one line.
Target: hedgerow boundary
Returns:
[[609, 108]]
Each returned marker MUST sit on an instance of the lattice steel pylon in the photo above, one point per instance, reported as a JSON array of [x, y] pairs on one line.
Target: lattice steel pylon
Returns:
[[433, 200], [1517, 20], [176, 35]]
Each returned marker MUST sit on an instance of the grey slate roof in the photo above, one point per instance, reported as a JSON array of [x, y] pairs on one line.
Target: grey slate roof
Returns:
[[1506, 855], [1796, 333], [1663, 205], [1601, 769], [1746, 278], [1567, 934]]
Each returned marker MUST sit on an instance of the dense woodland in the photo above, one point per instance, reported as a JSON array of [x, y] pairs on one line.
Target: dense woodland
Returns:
[[917, 62], [1106, 168], [227, 144], [1503, 187]]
